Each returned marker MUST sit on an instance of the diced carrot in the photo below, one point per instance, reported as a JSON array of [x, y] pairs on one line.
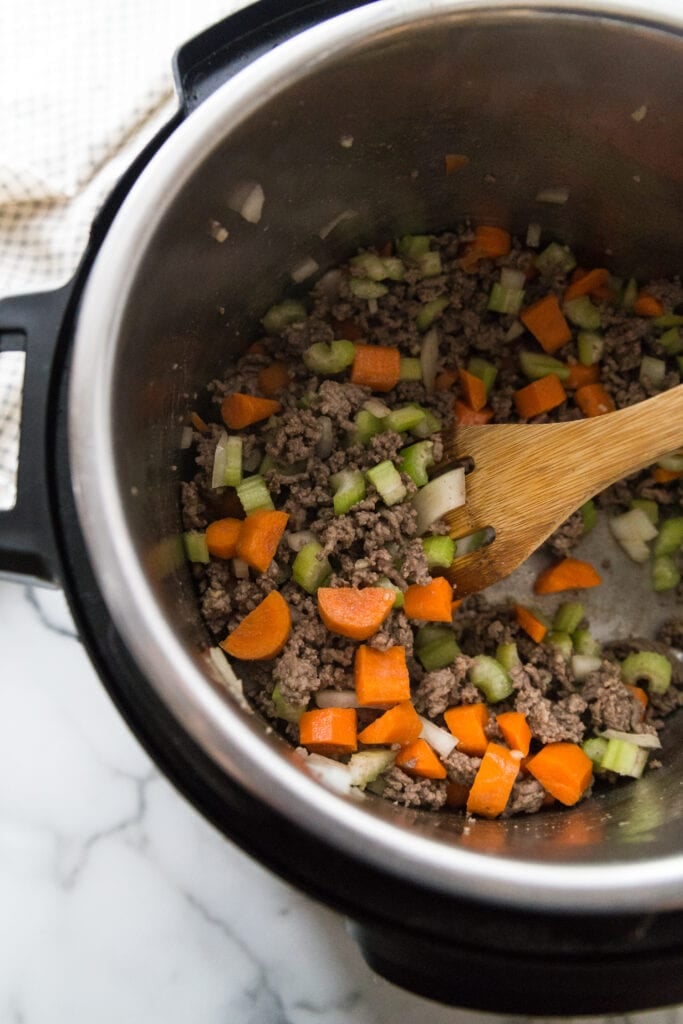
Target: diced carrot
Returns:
[[455, 162], [400, 724], [638, 692], [257, 348], [577, 273], [222, 536], [569, 574], [356, 614], [198, 423], [274, 378], [466, 416], [329, 730], [593, 400], [540, 396], [473, 390], [381, 677], [515, 730], [418, 758], [259, 537], [445, 380], [430, 602], [647, 305], [493, 782], [491, 241], [263, 632], [376, 366], [530, 623], [563, 770], [580, 376], [456, 604], [239, 411], [468, 723], [586, 284], [547, 323], [456, 794], [665, 476], [604, 293], [348, 330]]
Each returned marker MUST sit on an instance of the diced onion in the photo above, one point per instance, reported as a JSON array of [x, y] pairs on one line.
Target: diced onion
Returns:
[[438, 497], [186, 438], [632, 530], [510, 277], [299, 540], [429, 357], [333, 774], [515, 329], [556, 196], [301, 271], [583, 664], [240, 569], [247, 199], [377, 408], [646, 740], [325, 443], [329, 284], [336, 699], [328, 228], [639, 114], [223, 673], [439, 739], [533, 234], [372, 306]]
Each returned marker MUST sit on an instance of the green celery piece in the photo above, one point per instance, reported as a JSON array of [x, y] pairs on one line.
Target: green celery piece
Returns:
[[431, 424], [484, 370], [366, 766], [589, 514], [595, 747], [195, 546], [568, 617], [406, 418], [233, 461], [439, 551], [489, 676], [429, 312], [664, 573], [329, 359], [624, 758], [537, 364], [555, 259], [254, 494], [562, 641], [394, 268], [416, 460], [429, 264], [582, 313], [505, 300], [670, 537], [411, 368], [267, 463], [585, 644], [364, 288], [398, 593], [652, 371], [508, 656], [349, 489], [651, 510], [629, 294], [310, 568], [387, 481], [436, 647], [668, 320], [369, 265], [673, 462], [283, 708], [648, 665], [470, 542], [282, 315], [671, 341], [366, 427], [412, 247], [590, 347]]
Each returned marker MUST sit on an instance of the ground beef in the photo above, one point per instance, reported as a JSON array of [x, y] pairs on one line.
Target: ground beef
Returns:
[[461, 768], [610, 704], [527, 797], [564, 540], [407, 791]]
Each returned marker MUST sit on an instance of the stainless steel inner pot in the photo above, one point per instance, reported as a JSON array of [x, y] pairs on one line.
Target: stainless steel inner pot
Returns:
[[357, 115]]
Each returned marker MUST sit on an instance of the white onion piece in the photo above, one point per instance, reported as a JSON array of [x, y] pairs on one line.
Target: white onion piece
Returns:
[[438, 497], [632, 530], [510, 277], [336, 699], [646, 740], [533, 234], [556, 196], [372, 306], [429, 358], [329, 284], [333, 774], [186, 438], [247, 199], [240, 569], [325, 443], [303, 270], [583, 664], [223, 673], [439, 739], [515, 329], [640, 114], [377, 408], [328, 228], [299, 540]]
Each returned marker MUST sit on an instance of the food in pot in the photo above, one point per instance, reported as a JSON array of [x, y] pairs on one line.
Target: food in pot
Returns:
[[314, 520]]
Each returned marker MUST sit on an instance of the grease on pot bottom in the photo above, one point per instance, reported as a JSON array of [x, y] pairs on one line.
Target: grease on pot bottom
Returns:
[[315, 522]]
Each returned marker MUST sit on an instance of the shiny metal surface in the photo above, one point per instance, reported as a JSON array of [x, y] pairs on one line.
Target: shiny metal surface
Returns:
[[536, 96]]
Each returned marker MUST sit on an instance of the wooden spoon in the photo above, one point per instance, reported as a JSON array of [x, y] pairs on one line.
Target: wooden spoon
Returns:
[[528, 478]]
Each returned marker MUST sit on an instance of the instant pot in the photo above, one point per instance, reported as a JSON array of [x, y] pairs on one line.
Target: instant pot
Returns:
[[338, 115]]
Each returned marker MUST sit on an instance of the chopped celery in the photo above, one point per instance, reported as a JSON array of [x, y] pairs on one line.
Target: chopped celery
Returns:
[[562, 642], [583, 664], [398, 593], [284, 709], [349, 489], [595, 747], [629, 294], [429, 312], [505, 300], [674, 462], [329, 359], [439, 551], [582, 313], [435, 647], [254, 494], [366, 427], [665, 574], [367, 765], [387, 480], [282, 315], [410, 369], [489, 676], [589, 515], [555, 259], [484, 370], [651, 510], [310, 568], [227, 461], [624, 758], [632, 530], [394, 268], [648, 665], [406, 418], [429, 264], [537, 364], [431, 424], [470, 542], [511, 277], [369, 265], [585, 644], [508, 656], [568, 617], [671, 341], [364, 288], [652, 371], [670, 538], [196, 549], [416, 460], [669, 320], [590, 347], [412, 247]]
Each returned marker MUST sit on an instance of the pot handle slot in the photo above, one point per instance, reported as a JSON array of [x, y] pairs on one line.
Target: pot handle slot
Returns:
[[208, 60], [29, 327]]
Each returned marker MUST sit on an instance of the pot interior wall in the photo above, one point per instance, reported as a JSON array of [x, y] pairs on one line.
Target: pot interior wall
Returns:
[[534, 101]]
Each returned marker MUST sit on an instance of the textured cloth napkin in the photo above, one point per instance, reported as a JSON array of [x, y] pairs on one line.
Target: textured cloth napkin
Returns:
[[84, 84]]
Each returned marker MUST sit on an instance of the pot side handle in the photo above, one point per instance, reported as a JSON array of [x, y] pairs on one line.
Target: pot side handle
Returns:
[[209, 59], [31, 324]]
